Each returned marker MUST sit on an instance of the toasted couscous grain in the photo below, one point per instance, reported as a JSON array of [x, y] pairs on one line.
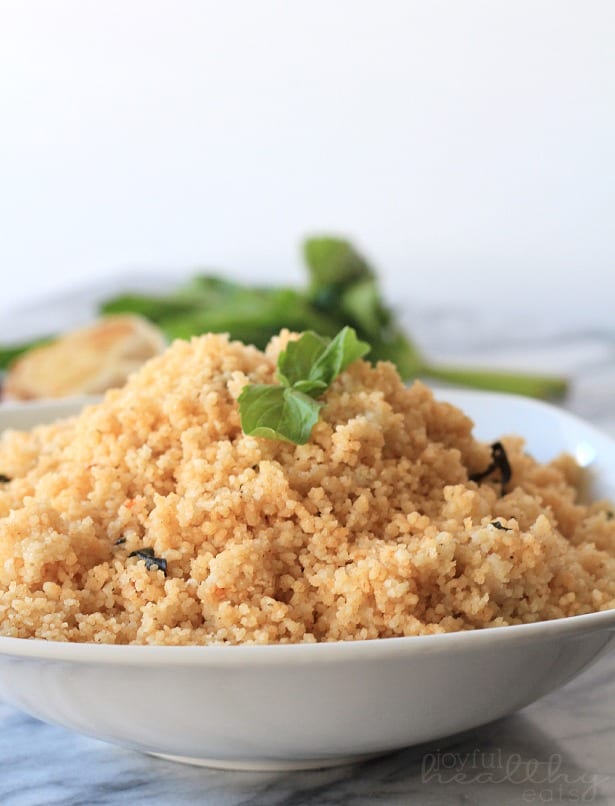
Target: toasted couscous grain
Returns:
[[371, 529]]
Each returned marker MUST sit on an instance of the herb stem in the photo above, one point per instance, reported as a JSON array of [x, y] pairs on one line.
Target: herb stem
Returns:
[[519, 383]]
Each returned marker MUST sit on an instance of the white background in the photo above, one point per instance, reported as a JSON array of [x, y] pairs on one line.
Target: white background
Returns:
[[468, 146]]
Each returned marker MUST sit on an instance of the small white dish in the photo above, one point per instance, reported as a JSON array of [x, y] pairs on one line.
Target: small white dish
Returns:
[[316, 705]]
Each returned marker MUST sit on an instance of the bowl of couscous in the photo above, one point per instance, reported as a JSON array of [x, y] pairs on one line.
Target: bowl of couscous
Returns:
[[413, 568]]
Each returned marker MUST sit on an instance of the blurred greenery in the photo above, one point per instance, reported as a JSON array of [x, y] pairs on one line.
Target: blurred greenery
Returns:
[[342, 289]]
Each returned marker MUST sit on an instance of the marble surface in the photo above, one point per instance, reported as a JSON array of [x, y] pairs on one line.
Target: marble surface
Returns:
[[558, 750]]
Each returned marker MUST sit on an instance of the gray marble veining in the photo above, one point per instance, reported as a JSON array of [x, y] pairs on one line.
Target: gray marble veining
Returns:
[[559, 750]]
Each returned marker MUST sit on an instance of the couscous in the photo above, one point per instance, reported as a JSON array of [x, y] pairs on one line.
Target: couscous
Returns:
[[151, 518]]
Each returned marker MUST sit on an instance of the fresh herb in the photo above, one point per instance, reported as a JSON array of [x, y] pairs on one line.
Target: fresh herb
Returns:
[[209, 304], [150, 560], [311, 363], [306, 368], [342, 290], [120, 541], [500, 526], [4, 479], [344, 286], [278, 412], [499, 461]]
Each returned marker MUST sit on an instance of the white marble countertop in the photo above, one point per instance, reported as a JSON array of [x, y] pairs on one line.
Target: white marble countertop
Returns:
[[558, 750]]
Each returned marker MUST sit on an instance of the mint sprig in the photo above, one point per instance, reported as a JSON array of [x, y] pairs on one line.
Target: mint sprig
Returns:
[[278, 412], [306, 369]]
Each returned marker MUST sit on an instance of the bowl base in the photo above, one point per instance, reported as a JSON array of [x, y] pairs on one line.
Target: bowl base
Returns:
[[267, 764]]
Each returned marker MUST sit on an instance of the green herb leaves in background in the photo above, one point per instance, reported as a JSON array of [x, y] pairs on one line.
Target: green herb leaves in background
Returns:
[[342, 290], [306, 369]]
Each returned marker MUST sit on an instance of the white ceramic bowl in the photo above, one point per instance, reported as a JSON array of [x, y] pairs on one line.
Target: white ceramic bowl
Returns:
[[315, 705]]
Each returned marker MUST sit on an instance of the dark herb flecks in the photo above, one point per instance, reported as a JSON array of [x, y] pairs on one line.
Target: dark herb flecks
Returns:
[[150, 560], [499, 461], [501, 526], [609, 515], [120, 541], [4, 479]]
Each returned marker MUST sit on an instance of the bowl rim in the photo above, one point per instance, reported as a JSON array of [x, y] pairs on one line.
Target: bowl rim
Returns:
[[230, 655]]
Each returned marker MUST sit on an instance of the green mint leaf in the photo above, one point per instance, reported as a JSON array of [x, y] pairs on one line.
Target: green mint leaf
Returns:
[[339, 354], [333, 262], [278, 412], [306, 369], [296, 361], [311, 388], [311, 363]]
